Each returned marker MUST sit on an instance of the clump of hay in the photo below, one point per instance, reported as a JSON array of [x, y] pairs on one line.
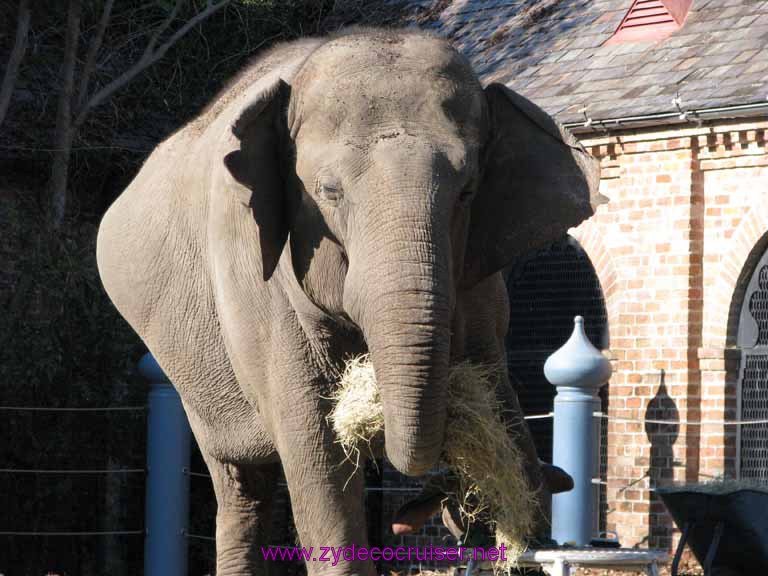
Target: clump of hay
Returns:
[[358, 416], [478, 447]]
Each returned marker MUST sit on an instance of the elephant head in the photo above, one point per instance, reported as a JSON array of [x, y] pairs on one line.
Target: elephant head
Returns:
[[393, 180]]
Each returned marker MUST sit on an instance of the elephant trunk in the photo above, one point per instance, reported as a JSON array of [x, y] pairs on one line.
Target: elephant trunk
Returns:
[[410, 358], [406, 324]]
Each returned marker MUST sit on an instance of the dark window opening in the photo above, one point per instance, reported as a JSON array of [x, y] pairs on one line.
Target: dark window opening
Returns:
[[546, 292]]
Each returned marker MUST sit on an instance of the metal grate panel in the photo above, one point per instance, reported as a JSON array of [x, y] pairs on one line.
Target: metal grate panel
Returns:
[[753, 379], [545, 294], [758, 306], [754, 406]]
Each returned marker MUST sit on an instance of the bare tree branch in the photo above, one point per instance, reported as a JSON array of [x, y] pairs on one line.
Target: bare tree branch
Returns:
[[163, 27], [148, 58], [64, 128], [14, 61], [93, 52]]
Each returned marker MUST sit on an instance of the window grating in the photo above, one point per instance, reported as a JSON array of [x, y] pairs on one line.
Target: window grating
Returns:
[[545, 293], [753, 381], [754, 406], [758, 306]]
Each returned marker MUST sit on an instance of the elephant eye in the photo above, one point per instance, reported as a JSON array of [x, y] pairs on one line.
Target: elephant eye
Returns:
[[330, 190]]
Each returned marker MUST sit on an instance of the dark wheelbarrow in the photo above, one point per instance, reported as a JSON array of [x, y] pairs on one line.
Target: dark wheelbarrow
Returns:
[[725, 525]]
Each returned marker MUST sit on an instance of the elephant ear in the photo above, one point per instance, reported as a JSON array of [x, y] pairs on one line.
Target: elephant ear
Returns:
[[537, 182], [258, 168]]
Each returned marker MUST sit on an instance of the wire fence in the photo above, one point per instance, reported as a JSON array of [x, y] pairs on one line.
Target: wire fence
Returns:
[[142, 408], [542, 416], [73, 471], [212, 539], [78, 533]]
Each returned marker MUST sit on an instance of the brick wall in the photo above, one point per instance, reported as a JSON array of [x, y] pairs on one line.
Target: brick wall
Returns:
[[673, 249]]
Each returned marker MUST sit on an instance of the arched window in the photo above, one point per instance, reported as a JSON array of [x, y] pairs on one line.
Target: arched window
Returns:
[[545, 293]]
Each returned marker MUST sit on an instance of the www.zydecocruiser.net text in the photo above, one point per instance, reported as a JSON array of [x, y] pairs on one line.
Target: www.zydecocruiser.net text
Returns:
[[337, 554]]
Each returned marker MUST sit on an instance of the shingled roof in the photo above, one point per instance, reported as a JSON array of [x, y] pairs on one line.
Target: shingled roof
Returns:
[[554, 53]]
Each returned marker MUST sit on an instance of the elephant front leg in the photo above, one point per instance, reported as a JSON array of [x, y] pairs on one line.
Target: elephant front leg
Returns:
[[244, 502], [326, 488]]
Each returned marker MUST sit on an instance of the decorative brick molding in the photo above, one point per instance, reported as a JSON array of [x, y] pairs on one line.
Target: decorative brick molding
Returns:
[[747, 244], [590, 239]]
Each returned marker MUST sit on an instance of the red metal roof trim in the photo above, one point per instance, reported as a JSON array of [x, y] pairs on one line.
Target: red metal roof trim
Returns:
[[649, 20]]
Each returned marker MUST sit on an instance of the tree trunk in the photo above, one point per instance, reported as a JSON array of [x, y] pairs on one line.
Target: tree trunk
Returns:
[[64, 127], [68, 121], [17, 54]]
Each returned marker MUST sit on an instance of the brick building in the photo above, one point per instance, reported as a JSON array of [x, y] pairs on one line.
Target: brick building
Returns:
[[672, 97]]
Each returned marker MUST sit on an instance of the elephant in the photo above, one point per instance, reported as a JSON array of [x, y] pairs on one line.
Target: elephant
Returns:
[[354, 193]]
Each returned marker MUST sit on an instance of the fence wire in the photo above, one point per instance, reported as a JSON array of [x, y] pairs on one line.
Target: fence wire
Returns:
[[143, 408], [74, 533], [73, 409]]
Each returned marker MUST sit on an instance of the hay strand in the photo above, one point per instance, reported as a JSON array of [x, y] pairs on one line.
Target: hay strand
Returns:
[[358, 416], [478, 447]]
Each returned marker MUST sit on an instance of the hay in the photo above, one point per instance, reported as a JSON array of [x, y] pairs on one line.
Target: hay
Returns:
[[358, 416], [478, 447]]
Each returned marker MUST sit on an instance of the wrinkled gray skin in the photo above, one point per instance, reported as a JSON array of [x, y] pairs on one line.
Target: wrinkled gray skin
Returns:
[[351, 194]]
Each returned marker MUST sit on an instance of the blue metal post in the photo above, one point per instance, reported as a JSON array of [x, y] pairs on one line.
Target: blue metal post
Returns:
[[167, 492], [578, 370]]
